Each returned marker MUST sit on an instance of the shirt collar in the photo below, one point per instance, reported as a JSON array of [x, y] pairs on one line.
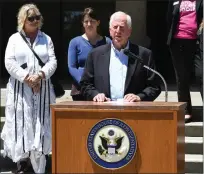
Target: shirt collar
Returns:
[[116, 51]]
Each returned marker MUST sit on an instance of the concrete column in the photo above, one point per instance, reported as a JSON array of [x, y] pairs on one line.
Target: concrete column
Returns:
[[137, 11]]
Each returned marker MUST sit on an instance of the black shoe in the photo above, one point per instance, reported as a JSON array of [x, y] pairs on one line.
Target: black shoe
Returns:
[[189, 119], [24, 166], [29, 168]]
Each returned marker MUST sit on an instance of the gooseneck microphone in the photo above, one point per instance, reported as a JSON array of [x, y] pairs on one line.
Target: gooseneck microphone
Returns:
[[132, 55]]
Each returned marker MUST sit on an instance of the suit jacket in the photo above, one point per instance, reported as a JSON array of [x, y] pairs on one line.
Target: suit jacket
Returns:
[[139, 80], [174, 13]]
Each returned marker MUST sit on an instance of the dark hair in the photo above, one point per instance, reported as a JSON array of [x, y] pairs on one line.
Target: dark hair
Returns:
[[91, 13]]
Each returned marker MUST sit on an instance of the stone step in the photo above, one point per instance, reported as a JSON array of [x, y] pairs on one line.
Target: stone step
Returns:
[[65, 97], [197, 111], [2, 121], [7, 165], [193, 163], [193, 132], [172, 97], [194, 129], [194, 145], [2, 111]]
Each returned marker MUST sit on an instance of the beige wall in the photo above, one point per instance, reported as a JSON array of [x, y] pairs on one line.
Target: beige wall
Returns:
[[137, 11]]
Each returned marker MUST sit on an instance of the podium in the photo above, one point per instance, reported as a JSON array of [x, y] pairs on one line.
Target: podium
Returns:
[[159, 129]]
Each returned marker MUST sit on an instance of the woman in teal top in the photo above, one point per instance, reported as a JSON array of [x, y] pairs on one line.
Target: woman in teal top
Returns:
[[80, 46]]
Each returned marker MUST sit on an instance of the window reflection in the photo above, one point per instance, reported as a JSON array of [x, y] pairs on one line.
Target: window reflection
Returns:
[[72, 27], [71, 18]]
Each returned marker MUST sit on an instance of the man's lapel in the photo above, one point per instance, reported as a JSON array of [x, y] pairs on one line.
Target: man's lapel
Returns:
[[106, 62], [132, 63]]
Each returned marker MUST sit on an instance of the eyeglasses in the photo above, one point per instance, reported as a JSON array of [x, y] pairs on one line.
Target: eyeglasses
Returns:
[[91, 21], [32, 18]]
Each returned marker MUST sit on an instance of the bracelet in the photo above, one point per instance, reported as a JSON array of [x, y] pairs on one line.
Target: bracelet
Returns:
[[40, 75]]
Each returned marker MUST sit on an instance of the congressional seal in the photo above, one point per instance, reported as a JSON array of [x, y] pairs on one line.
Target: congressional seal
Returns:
[[111, 144]]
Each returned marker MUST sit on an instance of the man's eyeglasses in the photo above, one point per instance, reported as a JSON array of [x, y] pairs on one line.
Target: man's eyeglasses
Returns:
[[91, 21], [32, 18]]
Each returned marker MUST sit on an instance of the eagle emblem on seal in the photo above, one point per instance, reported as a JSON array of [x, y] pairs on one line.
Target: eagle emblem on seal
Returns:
[[110, 144]]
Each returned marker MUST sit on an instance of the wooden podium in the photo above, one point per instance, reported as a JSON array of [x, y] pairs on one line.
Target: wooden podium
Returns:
[[158, 126]]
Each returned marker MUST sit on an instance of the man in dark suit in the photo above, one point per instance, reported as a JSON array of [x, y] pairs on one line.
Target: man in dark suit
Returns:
[[111, 75]]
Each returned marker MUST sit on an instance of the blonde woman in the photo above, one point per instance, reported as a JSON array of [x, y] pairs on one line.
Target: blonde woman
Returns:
[[27, 130]]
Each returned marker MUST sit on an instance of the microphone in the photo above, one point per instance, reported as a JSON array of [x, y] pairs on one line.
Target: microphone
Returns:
[[128, 53], [132, 55]]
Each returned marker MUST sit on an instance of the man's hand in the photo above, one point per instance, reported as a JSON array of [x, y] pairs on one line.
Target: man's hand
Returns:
[[131, 98], [100, 98]]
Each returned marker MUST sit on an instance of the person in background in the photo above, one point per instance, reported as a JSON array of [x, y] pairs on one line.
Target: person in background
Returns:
[[199, 59], [111, 75], [183, 20], [80, 46], [27, 130]]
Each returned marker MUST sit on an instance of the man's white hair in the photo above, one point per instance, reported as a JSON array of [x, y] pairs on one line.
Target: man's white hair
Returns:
[[129, 20]]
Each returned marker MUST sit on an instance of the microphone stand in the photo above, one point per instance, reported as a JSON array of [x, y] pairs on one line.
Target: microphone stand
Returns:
[[130, 54], [165, 85]]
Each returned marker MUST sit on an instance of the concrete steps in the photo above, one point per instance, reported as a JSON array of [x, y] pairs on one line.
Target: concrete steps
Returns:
[[193, 163], [193, 150], [193, 144], [194, 129]]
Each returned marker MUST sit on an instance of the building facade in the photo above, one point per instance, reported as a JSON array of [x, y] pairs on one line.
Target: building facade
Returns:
[[62, 22]]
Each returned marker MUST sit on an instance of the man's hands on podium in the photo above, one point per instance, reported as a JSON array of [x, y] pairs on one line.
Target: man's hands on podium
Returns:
[[101, 98], [131, 98], [127, 98]]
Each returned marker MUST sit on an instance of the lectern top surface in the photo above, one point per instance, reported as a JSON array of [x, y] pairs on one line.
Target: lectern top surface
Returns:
[[120, 105]]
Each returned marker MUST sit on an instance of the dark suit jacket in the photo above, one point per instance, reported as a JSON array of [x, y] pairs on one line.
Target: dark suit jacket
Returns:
[[174, 13], [139, 80]]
